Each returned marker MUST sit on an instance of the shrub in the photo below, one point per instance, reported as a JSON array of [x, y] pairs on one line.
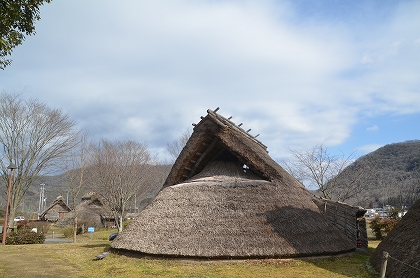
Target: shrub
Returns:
[[81, 229], [68, 231], [25, 236], [376, 227], [393, 213], [388, 224], [382, 226]]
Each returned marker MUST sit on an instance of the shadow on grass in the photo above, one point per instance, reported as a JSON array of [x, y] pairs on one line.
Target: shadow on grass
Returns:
[[351, 265]]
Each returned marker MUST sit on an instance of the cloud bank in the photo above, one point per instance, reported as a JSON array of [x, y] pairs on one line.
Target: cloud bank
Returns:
[[298, 75]]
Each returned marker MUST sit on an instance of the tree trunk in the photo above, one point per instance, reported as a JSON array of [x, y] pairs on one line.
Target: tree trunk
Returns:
[[121, 220], [120, 224], [75, 229]]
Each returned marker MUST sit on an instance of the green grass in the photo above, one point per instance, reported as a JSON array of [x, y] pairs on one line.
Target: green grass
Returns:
[[78, 260]]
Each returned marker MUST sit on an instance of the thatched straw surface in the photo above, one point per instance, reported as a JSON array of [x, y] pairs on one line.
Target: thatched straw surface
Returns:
[[226, 198], [57, 209], [91, 211], [232, 216], [403, 244]]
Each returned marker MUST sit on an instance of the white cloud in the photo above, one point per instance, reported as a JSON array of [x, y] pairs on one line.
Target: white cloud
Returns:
[[372, 128], [366, 59], [145, 70]]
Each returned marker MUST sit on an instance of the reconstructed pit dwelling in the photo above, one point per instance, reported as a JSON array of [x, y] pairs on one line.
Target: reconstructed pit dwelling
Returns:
[[226, 198]]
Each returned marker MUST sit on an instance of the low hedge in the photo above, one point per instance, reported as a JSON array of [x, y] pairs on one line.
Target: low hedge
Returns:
[[24, 236]]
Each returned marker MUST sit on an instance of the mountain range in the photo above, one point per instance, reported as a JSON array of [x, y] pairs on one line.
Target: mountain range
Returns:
[[391, 176]]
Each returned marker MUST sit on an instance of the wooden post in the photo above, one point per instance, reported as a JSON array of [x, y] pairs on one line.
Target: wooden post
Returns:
[[384, 263]]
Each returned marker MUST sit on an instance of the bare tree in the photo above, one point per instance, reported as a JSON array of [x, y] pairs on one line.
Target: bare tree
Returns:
[[176, 146], [76, 165], [318, 169], [350, 181], [405, 189], [121, 169], [35, 138], [412, 193]]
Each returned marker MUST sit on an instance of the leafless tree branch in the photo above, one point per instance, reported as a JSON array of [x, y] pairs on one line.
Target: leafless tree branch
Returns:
[[35, 138], [121, 170], [316, 168]]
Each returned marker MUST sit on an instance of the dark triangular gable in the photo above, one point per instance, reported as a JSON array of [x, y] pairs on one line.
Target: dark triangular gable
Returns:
[[218, 138], [59, 202]]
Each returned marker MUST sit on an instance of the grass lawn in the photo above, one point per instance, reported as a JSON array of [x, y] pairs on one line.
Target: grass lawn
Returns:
[[78, 260]]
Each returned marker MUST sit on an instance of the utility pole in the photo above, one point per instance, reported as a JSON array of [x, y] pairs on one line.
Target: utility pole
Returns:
[[67, 198]]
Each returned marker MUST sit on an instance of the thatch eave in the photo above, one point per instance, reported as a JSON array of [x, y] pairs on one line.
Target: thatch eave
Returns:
[[137, 254]]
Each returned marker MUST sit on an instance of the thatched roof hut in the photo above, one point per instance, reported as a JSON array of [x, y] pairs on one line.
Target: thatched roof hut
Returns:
[[403, 246], [57, 210], [226, 198], [91, 211]]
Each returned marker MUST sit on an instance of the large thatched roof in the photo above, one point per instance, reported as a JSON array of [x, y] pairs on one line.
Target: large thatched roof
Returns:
[[403, 246], [226, 197]]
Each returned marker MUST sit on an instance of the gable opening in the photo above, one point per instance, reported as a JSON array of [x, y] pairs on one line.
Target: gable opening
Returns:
[[225, 163]]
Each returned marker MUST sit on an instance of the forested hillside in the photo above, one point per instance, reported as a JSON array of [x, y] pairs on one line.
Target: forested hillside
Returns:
[[391, 176]]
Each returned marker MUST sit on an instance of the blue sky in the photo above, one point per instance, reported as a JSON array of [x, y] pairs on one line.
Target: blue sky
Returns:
[[300, 73]]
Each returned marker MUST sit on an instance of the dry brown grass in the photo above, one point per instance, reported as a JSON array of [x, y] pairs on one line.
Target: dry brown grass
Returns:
[[78, 260]]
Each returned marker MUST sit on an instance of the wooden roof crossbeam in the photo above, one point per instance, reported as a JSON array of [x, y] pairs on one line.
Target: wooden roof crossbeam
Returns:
[[200, 158], [232, 124]]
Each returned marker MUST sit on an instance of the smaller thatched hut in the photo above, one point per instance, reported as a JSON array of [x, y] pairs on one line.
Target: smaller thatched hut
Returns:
[[403, 247], [56, 211], [91, 211]]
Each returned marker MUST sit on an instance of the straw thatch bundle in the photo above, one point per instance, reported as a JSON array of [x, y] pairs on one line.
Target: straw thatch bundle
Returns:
[[403, 246], [225, 197]]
